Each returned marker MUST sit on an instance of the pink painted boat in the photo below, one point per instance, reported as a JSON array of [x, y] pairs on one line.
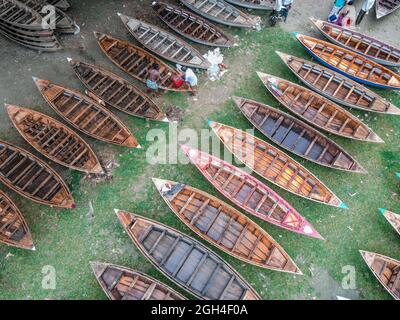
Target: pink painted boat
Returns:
[[249, 193]]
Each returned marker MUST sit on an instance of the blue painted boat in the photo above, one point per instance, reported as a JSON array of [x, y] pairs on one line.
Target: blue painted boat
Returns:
[[351, 64]]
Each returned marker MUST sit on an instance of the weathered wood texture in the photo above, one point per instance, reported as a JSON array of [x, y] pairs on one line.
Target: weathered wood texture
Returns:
[[386, 270], [254, 4], [225, 227], [120, 283], [137, 62], [117, 92], [13, 229], [392, 218], [297, 137], [86, 115], [186, 261], [317, 110], [367, 46], [337, 87], [32, 178], [164, 44], [54, 140], [221, 12], [192, 26], [350, 64], [274, 165], [248, 193], [385, 7]]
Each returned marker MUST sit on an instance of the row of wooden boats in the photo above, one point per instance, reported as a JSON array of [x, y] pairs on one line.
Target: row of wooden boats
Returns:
[[22, 21]]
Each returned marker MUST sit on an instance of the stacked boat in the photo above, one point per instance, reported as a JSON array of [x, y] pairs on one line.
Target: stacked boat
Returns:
[[25, 22]]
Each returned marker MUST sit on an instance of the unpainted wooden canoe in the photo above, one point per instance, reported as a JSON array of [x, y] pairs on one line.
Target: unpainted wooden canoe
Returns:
[[250, 194], [222, 12], [367, 46], [61, 4], [386, 270], [13, 229], [86, 115], [137, 62], [297, 137], [185, 261], [117, 92], [351, 64], [337, 87], [164, 44], [385, 7], [274, 165], [54, 140], [254, 4], [120, 283], [32, 178], [225, 227], [392, 218], [317, 110], [192, 26]]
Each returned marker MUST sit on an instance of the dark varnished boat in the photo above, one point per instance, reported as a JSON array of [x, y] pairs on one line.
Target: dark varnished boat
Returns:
[[86, 115], [13, 229], [221, 12], [386, 270], [337, 87], [296, 136], [385, 7], [54, 140], [120, 283], [392, 218], [224, 227], [274, 165], [117, 92], [186, 261], [351, 64], [367, 46], [32, 178], [164, 44], [316, 110], [250, 194], [137, 62], [254, 4], [192, 26]]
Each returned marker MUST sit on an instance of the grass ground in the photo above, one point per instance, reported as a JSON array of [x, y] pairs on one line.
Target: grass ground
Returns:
[[69, 240]]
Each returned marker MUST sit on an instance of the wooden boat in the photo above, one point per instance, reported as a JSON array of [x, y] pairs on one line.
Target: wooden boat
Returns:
[[32, 178], [224, 227], [120, 283], [250, 194], [296, 136], [221, 12], [23, 25], [64, 23], [316, 110], [61, 4], [185, 261], [137, 62], [117, 92], [192, 26], [372, 48], [86, 115], [351, 64], [254, 4], [386, 270], [337, 87], [54, 140], [274, 165], [13, 229], [385, 7], [392, 218], [164, 44]]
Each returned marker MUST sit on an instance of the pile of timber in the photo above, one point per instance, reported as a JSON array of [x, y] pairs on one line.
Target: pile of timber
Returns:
[[23, 21]]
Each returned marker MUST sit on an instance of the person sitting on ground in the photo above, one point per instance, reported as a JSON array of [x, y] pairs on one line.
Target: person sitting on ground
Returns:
[[337, 7], [347, 15], [366, 6], [152, 79]]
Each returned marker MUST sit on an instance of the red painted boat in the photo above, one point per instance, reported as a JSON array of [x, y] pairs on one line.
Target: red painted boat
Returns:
[[250, 194]]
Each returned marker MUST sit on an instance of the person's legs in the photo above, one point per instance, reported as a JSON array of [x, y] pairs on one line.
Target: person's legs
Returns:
[[360, 17]]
